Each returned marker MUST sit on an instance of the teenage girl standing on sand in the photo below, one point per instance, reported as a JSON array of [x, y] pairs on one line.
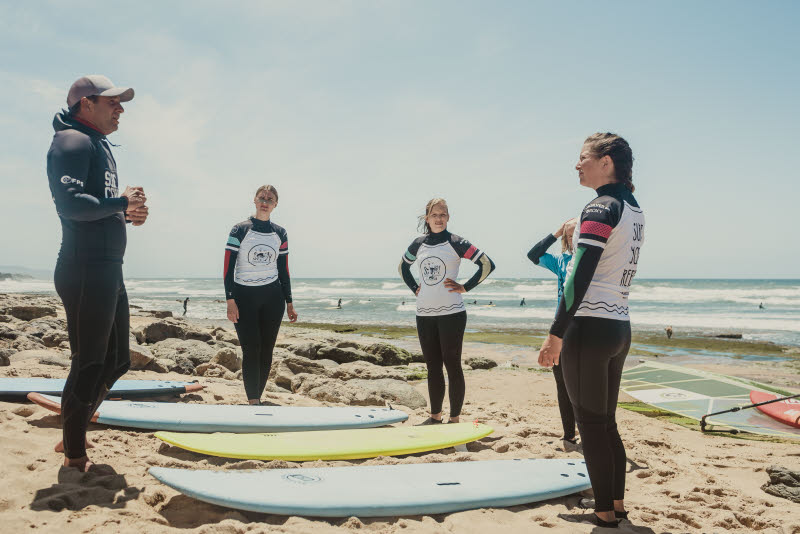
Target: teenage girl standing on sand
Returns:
[[441, 314]]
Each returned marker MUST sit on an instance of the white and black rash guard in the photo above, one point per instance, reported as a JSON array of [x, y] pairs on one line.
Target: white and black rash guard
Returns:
[[439, 256], [257, 254], [608, 240]]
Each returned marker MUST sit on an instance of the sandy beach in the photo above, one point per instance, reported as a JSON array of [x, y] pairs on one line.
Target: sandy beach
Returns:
[[679, 480]]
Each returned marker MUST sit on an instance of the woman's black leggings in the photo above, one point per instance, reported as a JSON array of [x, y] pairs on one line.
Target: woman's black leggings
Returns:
[[98, 322], [441, 338], [564, 405], [261, 309], [592, 357]]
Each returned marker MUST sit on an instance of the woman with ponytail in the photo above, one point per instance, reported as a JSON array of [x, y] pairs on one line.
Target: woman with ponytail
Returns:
[[441, 315], [591, 333]]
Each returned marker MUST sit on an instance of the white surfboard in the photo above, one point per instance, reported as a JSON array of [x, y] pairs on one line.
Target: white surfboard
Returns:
[[183, 417], [382, 490]]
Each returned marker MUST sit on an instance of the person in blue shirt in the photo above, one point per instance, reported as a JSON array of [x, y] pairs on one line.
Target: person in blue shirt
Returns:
[[557, 264]]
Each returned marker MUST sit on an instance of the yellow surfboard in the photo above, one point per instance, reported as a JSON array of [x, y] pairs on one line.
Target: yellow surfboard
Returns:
[[329, 444]]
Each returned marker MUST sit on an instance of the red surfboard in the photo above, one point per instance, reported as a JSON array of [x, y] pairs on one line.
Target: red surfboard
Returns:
[[787, 411]]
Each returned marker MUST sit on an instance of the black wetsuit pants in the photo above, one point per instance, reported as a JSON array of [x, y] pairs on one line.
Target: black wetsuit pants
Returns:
[[564, 405], [592, 357], [441, 338], [261, 309], [98, 324]]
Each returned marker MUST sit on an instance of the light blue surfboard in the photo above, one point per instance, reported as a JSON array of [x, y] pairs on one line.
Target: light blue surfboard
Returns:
[[13, 388], [181, 417], [382, 490]]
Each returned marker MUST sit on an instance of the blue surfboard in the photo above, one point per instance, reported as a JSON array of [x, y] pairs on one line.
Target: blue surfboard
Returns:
[[16, 389], [382, 490], [181, 417]]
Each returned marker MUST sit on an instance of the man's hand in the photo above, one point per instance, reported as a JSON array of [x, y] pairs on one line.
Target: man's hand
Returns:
[[135, 196], [550, 353], [137, 216]]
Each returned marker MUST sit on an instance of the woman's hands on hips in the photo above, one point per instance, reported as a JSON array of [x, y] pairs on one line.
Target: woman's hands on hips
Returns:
[[453, 286]]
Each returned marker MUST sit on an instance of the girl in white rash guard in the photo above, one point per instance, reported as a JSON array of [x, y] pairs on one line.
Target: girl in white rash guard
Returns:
[[258, 288], [441, 315], [592, 317]]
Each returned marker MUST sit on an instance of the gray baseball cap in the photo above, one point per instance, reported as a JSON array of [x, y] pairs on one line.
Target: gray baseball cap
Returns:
[[96, 84]]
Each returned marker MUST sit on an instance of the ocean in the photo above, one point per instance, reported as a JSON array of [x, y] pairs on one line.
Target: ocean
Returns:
[[689, 306]]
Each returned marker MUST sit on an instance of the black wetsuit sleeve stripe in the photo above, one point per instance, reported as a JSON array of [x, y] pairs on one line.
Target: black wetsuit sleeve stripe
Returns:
[[229, 267], [68, 163], [485, 267], [405, 271], [283, 276], [231, 254], [283, 265], [539, 249]]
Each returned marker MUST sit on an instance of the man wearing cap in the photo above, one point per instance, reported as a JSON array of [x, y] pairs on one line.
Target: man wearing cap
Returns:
[[88, 276]]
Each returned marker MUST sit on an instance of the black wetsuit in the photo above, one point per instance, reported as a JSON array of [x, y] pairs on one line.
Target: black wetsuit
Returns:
[[557, 265], [441, 316], [257, 278], [593, 321], [83, 181]]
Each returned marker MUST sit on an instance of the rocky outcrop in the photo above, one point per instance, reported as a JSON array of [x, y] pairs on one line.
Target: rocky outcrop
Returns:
[[228, 359], [30, 312], [349, 351], [391, 355], [162, 365], [345, 354], [479, 362], [177, 349], [211, 370], [221, 334], [783, 483], [355, 383], [367, 371], [358, 392], [169, 329], [141, 357], [37, 354]]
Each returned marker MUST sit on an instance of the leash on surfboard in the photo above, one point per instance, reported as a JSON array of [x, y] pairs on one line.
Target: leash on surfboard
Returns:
[[703, 422]]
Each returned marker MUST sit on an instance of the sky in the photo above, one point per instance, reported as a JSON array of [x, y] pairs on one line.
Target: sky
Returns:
[[359, 112]]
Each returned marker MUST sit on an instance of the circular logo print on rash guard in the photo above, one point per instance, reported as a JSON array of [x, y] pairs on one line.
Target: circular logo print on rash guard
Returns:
[[261, 255], [433, 270]]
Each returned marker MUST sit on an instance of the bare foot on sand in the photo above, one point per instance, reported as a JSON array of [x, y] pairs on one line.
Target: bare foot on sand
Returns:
[[60, 446]]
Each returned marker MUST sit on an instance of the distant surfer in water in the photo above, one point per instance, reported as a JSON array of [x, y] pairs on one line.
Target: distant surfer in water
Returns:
[[668, 330], [557, 264], [441, 314], [760, 305], [258, 288], [185, 304], [591, 334], [339, 305], [522, 302]]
